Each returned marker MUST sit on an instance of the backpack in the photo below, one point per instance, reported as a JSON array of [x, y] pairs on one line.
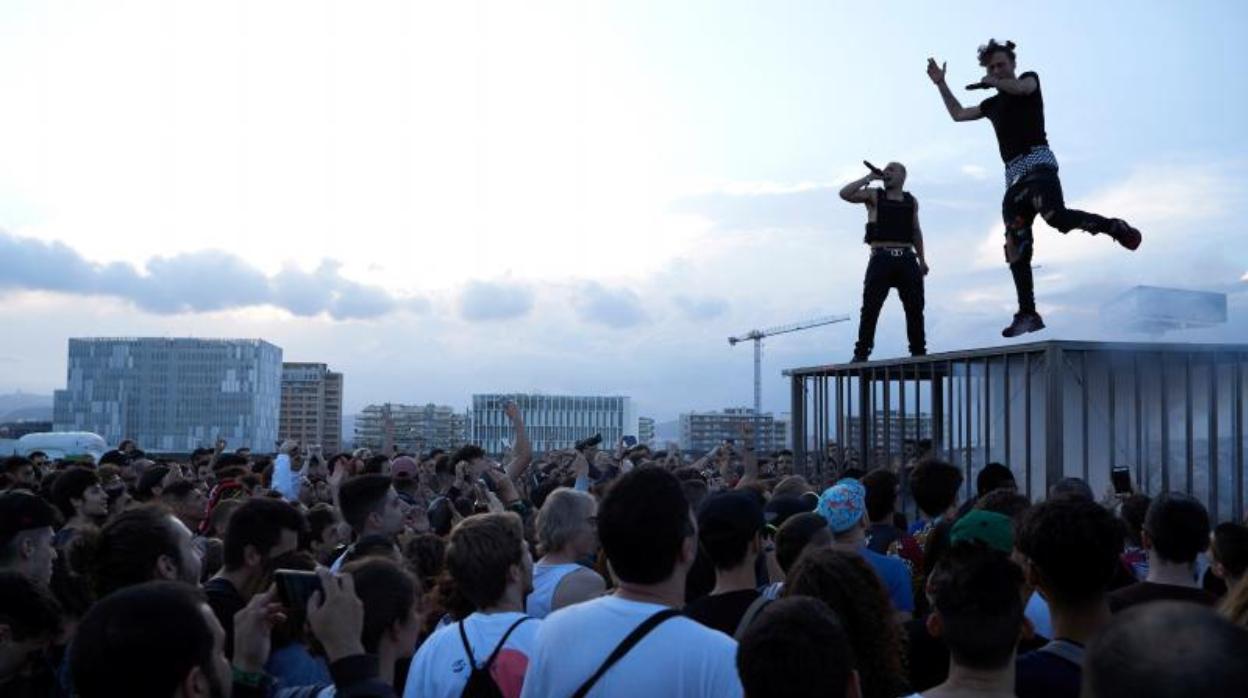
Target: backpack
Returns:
[[480, 682]]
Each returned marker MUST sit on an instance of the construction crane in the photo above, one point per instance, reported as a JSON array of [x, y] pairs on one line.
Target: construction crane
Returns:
[[757, 337]]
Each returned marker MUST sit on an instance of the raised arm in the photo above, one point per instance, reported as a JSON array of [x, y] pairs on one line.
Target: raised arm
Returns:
[[956, 110], [522, 455], [1014, 86], [856, 192]]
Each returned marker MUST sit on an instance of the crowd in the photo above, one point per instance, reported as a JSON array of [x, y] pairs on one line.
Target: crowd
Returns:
[[602, 571]]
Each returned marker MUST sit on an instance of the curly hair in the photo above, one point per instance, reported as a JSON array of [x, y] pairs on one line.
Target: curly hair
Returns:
[[850, 587], [985, 51]]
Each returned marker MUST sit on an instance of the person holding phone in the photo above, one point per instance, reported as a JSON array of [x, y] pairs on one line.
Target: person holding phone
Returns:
[[898, 259], [1032, 185]]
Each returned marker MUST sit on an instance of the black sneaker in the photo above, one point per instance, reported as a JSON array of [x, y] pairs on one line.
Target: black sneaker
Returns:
[[1023, 323], [1124, 234], [858, 359]]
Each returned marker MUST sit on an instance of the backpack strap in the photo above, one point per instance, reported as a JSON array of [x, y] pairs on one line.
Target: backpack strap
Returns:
[[498, 648], [750, 614], [472, 662], [625, 645]]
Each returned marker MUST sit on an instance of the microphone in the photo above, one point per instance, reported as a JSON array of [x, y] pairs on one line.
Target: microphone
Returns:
[[978, 86], [874, 170]]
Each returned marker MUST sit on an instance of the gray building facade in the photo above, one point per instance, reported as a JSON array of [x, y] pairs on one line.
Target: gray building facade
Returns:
[[409, 428], [645, 431], [173, 395], [702, 431]]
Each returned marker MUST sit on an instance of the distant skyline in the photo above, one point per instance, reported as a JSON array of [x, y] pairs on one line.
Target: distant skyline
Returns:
[[441, 199]]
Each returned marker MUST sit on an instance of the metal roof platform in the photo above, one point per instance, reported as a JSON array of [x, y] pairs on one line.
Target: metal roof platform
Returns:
[[1171, 412]]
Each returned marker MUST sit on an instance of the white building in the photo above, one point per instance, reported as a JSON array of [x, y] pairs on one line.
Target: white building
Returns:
[[553, 421]]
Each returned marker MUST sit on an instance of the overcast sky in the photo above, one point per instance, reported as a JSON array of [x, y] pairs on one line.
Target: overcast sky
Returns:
[[446, 198]]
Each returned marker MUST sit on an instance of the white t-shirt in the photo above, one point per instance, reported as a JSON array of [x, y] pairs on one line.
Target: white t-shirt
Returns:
[[440, 667], [679, 658]]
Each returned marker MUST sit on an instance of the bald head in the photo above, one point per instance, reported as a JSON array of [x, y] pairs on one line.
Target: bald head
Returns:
[[894, 175], [1164, 649]]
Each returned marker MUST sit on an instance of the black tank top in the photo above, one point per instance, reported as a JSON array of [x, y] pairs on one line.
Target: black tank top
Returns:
[[894, 220]]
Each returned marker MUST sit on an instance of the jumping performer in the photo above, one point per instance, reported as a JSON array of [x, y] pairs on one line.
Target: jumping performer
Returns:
[[1032, 186], [894, 236]]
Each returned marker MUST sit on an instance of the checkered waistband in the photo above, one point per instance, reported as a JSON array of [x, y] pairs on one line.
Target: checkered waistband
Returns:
[[1023, 165]]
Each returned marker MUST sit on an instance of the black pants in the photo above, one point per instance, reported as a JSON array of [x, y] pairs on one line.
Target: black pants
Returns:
[[886, 271], [1038, 193]]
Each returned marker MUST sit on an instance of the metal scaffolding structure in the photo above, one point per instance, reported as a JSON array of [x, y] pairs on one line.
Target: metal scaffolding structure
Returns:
[[1173, 413]]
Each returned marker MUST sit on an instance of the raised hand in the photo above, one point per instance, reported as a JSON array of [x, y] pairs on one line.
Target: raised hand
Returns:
[[936, 72], [253, 627], [512, 411], [336, 615]]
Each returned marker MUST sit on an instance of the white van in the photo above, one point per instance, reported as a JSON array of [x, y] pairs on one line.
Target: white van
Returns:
[[62, 444]]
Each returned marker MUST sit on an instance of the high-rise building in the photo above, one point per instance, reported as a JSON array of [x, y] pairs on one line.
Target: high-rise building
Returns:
[[173, 395], [410, 428], [899, 430], [553, 421], [645, 430], [702, 431], [311, 406]]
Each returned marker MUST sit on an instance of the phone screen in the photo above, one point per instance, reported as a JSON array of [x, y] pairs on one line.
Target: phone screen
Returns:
[[1121, 478], [295, 587]]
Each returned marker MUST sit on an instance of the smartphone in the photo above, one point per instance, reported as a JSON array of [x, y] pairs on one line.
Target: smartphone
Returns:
[[295, 587], [1121, 478]]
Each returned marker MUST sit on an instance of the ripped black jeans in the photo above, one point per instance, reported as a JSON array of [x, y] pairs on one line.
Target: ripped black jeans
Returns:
[[1039, 192]]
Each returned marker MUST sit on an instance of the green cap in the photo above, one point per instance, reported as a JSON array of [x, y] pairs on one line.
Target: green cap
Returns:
[[988, 527]]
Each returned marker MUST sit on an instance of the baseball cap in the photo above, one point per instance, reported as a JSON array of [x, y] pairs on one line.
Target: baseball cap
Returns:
[[22, 511], [781, 509], [403, 467], [730, 515], [843, 505], [987, 527]]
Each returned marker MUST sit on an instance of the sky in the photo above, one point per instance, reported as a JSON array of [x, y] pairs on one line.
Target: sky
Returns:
[[440, 199]]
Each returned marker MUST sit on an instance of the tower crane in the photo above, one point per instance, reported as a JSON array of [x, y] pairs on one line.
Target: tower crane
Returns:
[[757, 337]]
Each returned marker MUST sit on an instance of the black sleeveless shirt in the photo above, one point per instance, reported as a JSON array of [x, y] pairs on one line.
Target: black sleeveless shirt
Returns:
[[894, 220]]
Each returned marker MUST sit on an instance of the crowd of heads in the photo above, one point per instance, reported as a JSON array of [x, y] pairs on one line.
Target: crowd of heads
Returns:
[[145, 575]]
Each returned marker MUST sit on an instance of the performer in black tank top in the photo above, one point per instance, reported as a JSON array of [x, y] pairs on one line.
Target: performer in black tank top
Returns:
[[1032, 186], [894, 236]]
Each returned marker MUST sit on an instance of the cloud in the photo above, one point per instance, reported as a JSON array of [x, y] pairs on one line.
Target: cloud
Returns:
[[484, 301], [700, 309], [975, 171], [192, 282], [617, 308]]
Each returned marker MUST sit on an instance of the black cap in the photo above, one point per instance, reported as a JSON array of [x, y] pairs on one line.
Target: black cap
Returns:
[[23, 511], [730, 514], [780, 509]]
